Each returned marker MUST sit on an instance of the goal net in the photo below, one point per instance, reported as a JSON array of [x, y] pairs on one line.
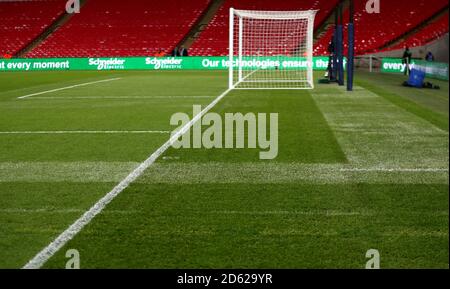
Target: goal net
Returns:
[[271, 49]]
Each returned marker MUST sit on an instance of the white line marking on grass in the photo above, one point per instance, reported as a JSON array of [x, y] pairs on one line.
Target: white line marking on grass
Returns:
[[68, 87], [395, 170], [60, 211], [39, 260], [89, 132], [36, 211], [124, 97], [171, 158], [305, 213]]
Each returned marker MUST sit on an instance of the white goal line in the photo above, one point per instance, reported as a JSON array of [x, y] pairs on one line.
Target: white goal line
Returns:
[[277, 81], [68, 87]]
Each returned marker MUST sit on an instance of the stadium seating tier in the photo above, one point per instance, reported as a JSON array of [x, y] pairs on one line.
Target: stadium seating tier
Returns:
[[214, 39], [373, 31], [106, 28], [427, 34], [23, 21]]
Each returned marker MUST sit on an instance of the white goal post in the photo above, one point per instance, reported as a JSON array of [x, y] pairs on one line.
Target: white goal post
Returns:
[[271, 49]]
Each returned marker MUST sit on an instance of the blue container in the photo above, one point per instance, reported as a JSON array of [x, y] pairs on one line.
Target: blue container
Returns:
[[416, 78]]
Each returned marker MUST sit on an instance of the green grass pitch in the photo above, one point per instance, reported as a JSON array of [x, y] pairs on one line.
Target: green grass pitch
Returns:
[[355, 171]]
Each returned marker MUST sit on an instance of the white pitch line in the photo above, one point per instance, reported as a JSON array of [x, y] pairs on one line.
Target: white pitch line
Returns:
[[39, 260], [307, 213], [35, 211], [124, 97], [57, 211], [68, 87], [395, 170], [89, 132]]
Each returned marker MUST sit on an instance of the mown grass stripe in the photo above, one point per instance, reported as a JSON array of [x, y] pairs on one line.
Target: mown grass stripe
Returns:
[[185, 173], [439, 120]]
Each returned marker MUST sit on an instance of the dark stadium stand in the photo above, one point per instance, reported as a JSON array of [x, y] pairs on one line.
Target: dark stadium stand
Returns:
[[116, 28], [22, 21], [214, 39], [373, 31]]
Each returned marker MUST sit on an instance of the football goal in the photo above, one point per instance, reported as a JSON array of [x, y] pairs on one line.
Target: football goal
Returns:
[[271, 49]]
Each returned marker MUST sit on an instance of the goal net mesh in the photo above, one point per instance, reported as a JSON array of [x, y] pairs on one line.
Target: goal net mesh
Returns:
[[271, 49]]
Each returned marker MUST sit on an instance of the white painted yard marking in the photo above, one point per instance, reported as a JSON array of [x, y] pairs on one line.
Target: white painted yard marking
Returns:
[[89, 132], [68, 87], [39, 260]]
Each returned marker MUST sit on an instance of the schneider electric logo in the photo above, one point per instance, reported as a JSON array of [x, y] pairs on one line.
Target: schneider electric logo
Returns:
[[104, 64], [164, 63]]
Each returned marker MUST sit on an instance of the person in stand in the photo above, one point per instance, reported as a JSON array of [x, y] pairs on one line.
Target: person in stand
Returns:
[[160, 53], [406, 59], [7, 55], [429, 57], [183, 51], [175, 52]]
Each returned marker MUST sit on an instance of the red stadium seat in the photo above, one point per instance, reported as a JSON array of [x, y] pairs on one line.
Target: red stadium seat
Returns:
[[21, 22], [107, 28], [214, 39], [373, 31], [427, 34]]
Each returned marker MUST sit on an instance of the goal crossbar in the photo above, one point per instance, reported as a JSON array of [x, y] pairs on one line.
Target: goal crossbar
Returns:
[[253, 14]]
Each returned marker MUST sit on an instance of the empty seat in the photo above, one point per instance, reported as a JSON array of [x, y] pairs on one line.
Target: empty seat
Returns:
[[22, 21], [107, 28]]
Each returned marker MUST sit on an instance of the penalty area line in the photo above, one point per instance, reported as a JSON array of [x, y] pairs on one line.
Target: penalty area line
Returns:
[[39, 260], [67, 87]]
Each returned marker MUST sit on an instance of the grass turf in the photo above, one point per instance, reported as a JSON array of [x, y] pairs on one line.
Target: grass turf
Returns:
[[344, 181], [429, 104]]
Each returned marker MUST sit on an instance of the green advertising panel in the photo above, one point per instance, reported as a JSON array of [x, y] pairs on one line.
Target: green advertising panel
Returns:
[[158, 63], [432, 69]]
